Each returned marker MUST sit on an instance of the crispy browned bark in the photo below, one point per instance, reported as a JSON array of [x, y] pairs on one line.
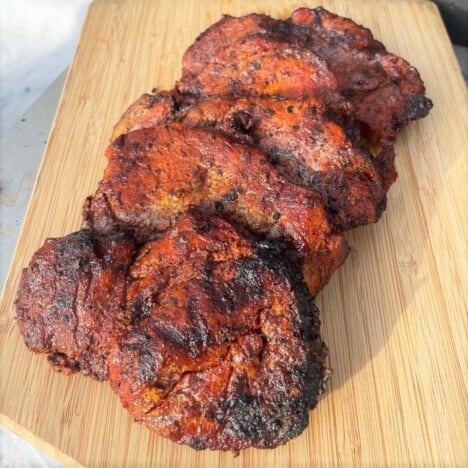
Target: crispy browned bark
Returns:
[[306, 146], [148, 111], [221, 200], [298, 136], [385, 91], [261, 64], [221, 35], [71, 300], [225, 352], [156, 175]]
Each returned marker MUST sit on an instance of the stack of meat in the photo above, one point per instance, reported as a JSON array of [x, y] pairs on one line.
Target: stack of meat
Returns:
[[221, 214]]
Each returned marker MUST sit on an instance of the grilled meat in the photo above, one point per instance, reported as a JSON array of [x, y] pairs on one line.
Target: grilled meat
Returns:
[[298, 137], [155, 175], [387, 92], [150, 110], [384, 90], [260, 64], [209, 337], [307, 147], [221, 200], [225, 352], [222, 35], [71, 300]]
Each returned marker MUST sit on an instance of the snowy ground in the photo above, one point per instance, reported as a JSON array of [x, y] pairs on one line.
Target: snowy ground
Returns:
[[38, 39]]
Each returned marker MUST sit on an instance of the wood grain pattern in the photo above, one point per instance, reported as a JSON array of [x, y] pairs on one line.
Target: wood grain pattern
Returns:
[[394, 316]]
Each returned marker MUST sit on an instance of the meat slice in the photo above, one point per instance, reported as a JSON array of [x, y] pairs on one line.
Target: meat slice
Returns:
[[71, 300], [385, 91], [298, 136], [225, 352], [155, 175], [148, 111], [375, 95], [306, 146], [261, 64], [222, 35]]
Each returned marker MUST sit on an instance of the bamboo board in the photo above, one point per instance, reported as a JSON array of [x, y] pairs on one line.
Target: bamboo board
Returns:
[[394, 316]]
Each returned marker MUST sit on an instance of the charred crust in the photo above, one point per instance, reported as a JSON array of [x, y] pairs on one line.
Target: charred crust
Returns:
[[248, 421], [70, 288], [241, 121], [418, 106], [241, 307]]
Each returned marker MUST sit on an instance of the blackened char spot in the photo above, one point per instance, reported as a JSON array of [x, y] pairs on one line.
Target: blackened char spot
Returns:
[[146, 365], [206, 228], [256, 65], [245, 420], [419, 106], [135, 146], [348, 93], [61, 360], [197, 444], [241, 121], [231, 296], [249, 421], [274, 154], [231, 196]]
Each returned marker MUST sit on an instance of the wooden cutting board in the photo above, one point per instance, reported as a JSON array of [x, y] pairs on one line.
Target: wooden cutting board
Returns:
[[394, 316]]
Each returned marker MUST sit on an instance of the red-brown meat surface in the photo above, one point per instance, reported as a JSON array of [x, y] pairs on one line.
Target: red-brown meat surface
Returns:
[[385, 91], [220, 215], [150, 110], [221, 35], [297, 136], [261, 64], [306, 146], [225, 352], [71, 300], [156, 175]]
